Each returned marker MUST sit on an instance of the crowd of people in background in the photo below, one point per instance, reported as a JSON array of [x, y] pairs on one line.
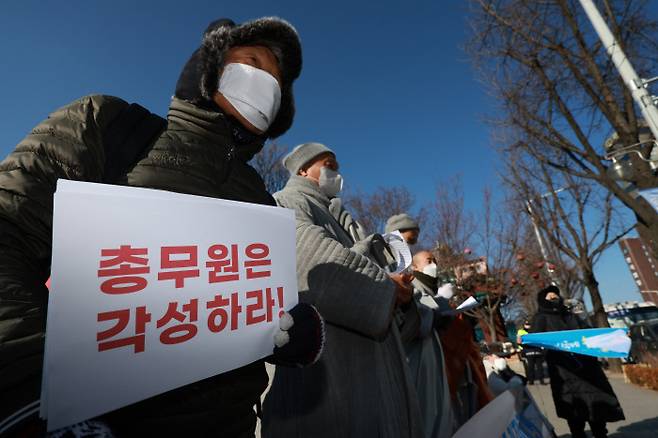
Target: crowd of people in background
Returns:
[[396, 361], [392, 338]]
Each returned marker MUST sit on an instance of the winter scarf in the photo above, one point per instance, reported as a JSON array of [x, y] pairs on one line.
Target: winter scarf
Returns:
[[432, 283]]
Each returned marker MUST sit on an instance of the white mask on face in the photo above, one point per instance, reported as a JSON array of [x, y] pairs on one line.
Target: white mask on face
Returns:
[[330, 182], [432, 270], [253, 92], [446, 291], [500, 364]]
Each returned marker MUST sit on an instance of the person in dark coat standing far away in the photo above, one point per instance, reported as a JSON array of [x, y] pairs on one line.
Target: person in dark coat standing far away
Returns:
[[361, 385], [234, 93], [532, 357], [581, 391]]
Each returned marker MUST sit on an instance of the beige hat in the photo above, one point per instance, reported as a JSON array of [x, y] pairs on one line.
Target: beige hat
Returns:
[[302, 155], [400, 221]]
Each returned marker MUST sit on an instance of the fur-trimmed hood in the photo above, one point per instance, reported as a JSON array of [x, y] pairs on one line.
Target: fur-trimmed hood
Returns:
[[272, 32], [550, 306]]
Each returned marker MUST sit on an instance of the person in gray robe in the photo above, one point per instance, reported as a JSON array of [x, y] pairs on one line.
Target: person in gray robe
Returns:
[[361, 385], [425, 353]]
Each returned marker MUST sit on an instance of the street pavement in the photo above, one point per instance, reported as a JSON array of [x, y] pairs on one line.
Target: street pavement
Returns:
[[640, 406]]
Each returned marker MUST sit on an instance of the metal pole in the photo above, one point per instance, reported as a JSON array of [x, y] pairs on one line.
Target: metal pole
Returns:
[[540, 240], [635, 84]]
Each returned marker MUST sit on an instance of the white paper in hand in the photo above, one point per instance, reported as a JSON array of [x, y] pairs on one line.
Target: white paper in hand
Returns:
[[400, 250], [468, 304]]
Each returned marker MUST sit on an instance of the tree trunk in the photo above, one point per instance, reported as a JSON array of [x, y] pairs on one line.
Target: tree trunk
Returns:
[[492, 330], [600, 316], [488, 330], [492, 324], [645, 214]]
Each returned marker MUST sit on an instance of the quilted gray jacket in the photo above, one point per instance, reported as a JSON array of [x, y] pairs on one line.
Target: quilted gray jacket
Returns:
[[361, 386]]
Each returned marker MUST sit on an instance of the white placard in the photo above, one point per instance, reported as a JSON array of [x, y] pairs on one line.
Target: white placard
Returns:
[[513, 413], [85, 377]]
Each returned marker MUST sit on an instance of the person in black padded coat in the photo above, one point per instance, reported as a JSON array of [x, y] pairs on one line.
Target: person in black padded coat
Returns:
[[581, 391]]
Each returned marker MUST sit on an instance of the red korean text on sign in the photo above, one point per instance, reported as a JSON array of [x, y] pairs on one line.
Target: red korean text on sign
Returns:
[[180, 332], [122, 318], [260, 307], [224, 266], [219, 316], [125, 265], [257, 253], [178, 267]]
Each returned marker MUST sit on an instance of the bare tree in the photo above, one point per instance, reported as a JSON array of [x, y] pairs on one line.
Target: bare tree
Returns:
[[577, 217], [497, 235], [532, 272], [268, 164], [514, 266], [373, 209], [484, 257], [559, 92], [451, 226]]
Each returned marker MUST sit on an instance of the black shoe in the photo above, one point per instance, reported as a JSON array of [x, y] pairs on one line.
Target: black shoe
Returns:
[[531, 383]]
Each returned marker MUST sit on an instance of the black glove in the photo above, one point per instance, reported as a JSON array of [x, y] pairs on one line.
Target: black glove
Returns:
[[441, 321], [300, 339]]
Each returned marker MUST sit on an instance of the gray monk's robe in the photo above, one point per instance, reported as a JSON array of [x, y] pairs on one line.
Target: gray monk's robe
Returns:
[[427, 368], [361, 386]]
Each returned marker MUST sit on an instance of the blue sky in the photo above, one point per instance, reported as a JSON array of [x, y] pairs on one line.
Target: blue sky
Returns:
[[385, 84]]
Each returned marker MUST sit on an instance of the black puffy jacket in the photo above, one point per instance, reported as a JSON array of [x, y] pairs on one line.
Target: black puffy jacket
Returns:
[[196, 154]]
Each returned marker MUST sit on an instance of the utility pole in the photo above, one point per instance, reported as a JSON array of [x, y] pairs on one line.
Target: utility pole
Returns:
[[635, 83], [540, 238], [543, 247], [637, 86]]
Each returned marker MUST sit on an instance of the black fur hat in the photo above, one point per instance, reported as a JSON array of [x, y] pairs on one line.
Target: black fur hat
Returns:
[[272, 32], [188, 86]]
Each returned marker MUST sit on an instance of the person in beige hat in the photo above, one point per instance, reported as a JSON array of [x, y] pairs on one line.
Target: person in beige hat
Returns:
[[406, 225], [361, 385]]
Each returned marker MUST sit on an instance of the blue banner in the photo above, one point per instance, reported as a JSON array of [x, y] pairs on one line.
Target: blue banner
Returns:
[[598, 342]]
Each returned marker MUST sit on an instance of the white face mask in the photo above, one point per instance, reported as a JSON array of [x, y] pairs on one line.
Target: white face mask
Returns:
[[253, 92], [500, 364], [432, 270], [330, 182]]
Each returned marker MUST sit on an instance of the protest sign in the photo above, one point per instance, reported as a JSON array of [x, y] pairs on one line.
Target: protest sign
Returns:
[[513, 413], [598, 342], [154, 290]]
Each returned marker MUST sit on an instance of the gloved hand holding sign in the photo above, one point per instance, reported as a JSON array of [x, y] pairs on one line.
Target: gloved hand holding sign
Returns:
[[299, 340]]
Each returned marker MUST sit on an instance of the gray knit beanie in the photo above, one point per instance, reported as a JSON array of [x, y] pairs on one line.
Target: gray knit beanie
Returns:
[[400, 221], [302, 155]]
